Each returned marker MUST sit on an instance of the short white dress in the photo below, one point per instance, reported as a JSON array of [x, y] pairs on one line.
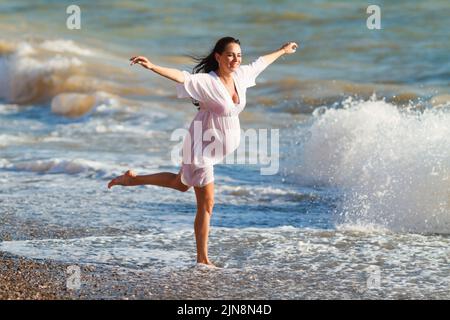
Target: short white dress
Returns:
[[215, 131]]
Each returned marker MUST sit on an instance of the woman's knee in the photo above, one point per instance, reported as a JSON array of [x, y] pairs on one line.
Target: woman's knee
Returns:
[[208, 205], [205, 198], [182, 187]]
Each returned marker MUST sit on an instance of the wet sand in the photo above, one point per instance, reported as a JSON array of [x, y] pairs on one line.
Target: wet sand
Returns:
[[30, 279]]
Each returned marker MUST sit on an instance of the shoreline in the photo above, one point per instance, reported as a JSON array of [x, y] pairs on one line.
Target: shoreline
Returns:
[[24, 278]]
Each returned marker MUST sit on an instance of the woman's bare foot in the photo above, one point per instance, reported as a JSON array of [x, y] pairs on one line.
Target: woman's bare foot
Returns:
[[206, 262], [206, 266], [123, 180]]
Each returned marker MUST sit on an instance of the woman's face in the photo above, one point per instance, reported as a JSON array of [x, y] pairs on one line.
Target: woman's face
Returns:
[[230, 59]]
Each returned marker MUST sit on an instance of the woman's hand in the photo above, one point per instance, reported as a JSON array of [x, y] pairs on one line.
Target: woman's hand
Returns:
[[289, 47], [169, 73], [143, 61]]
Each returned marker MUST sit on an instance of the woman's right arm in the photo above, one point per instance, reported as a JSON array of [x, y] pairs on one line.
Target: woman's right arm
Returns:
[[169, 73]]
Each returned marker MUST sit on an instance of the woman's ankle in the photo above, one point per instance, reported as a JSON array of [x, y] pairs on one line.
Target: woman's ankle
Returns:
[[204, 261]]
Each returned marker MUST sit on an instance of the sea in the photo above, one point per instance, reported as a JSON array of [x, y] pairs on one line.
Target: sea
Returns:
[[356, 124]]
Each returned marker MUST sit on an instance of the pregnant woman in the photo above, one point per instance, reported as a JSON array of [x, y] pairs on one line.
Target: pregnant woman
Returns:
[[218, 87]]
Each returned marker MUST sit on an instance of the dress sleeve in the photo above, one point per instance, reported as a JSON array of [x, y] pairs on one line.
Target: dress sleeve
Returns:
[[248, 73], [193, 86]]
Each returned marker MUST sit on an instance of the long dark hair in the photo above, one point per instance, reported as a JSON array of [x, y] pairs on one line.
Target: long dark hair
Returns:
[[209, 63]]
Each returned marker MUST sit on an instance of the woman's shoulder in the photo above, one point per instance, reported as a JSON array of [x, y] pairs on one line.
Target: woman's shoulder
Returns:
[[201, 76]]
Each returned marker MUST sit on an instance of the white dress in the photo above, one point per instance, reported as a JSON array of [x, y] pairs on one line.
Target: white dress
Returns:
[[215, 131]]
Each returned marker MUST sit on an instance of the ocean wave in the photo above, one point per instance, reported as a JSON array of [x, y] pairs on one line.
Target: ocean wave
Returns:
[[79, 104], [304, 96], [74, 166], [254, 193], [9, 108], [8, 139], [26, 78], [66, 46], [39, 71], [129, 251], [392, 165]]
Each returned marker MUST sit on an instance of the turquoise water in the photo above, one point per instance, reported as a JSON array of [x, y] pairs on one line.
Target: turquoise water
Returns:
[[364, 162], [412, 46]]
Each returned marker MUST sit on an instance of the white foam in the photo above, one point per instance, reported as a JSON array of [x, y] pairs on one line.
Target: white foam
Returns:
[[9, 108], [128, 250], [252, 190], [73, 166], [24, 48], [393, 166], [102, 126], [4, 163], [65, 46], [363, 228], [251, 193], [77, 166], [8, 139], [117, 128]]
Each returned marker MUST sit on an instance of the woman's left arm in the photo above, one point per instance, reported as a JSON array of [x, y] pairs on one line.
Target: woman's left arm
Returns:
[[287, 48]]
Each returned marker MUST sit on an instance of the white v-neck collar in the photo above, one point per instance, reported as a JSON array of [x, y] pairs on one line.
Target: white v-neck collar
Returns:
[[224, 89]]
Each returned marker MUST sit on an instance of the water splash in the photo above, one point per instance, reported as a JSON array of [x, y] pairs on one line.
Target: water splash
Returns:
[[393, 164]]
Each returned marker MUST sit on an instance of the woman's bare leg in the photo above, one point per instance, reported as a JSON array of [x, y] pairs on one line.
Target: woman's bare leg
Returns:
[[162, 179], [205, 204]]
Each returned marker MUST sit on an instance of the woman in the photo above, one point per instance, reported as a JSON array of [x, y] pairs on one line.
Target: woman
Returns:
[[218, 86]]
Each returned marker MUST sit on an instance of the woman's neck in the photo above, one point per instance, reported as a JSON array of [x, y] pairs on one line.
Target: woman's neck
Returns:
[[225, 76]]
